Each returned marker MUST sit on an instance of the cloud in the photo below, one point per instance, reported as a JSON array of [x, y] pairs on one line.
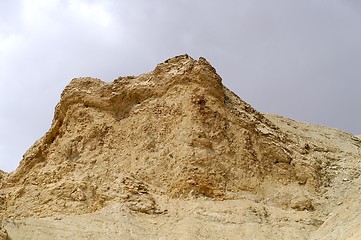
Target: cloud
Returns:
[[8, 44], [90, 12], [300, 59]]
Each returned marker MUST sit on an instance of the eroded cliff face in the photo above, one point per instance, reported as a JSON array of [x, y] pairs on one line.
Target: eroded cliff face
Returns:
[[3, 177], [177, 155], [175, 131]]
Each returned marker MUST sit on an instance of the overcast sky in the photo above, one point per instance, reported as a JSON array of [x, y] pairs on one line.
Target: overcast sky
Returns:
[[299, 59]]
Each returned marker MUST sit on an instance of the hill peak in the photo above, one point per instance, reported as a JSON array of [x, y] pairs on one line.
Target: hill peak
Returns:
[[175, 133]]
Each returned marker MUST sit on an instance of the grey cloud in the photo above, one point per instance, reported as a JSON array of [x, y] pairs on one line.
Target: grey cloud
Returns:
[[300, 59]]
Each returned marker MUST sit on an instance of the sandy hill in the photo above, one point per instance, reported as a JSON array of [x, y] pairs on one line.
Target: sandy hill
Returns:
[[173, 154]]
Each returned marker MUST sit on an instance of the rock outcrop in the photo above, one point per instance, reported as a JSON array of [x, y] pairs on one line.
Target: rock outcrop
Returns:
[[177, 133], [3, 234]]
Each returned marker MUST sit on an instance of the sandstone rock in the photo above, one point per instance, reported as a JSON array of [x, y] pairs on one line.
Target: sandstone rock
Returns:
[[176, 128], [177, 155], [3, 234], [3, 176]]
